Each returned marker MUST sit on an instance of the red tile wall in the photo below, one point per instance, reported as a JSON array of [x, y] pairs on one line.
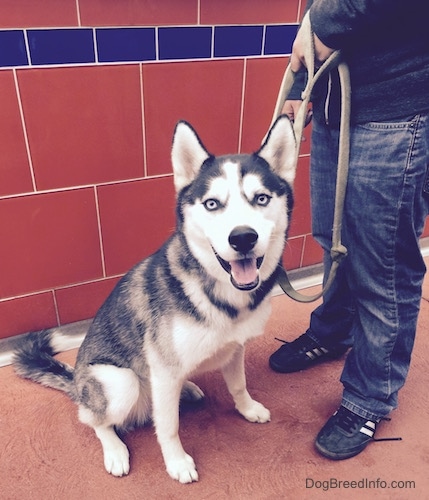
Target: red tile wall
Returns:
[[208, 94], [249, 11], [48, 240], [138, 12], [84, 125], [135, 218], [80, 302], [49, 13], [85, 175]]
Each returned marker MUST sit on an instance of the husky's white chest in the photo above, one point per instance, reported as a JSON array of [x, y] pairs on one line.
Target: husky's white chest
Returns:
[[196, 343]]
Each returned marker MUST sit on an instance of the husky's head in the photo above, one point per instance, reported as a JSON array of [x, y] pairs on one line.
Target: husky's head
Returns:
[[234, 210]]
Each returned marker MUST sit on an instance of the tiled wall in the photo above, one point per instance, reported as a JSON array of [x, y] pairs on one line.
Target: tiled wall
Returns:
[[90, 91]]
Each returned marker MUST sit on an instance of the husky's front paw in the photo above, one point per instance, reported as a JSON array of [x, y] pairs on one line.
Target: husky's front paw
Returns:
[[117, 461], [183, 469], [255, 412]]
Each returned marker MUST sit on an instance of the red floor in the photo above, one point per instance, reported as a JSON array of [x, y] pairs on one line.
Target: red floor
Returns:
[[45, 453]]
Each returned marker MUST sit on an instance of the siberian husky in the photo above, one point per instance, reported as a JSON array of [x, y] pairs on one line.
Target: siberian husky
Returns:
[[188, 308]]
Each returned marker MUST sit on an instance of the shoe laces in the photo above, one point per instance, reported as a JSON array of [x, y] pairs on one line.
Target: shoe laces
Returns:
[[349, 421], [303, 343]]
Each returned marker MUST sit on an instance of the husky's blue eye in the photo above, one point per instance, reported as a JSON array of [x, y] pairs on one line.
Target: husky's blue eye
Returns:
[[262, 199], [211, 204]]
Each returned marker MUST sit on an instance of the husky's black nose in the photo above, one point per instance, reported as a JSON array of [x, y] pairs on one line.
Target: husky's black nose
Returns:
[[243, 238]]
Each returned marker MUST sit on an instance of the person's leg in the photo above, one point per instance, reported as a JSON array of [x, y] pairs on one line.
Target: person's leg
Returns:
[[385, 214], [331, 322], [328, 335]]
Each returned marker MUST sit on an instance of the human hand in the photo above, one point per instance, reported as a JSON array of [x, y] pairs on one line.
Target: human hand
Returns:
[[297, 58], [291, 107]]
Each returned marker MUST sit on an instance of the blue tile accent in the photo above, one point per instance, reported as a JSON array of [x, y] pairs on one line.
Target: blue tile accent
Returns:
[[185, 42], [12, 48], [126, 44], [236, 41], [61, 46], [279, 39]]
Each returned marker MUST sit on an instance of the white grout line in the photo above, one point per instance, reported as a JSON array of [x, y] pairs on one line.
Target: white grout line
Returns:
[[243, 88], [27, 48], [57, 312], [84, 186], [128, 63], [264, 35], [212, 48], [62, 287], [143, 122], [79, 20], [156, 45], [24, 131], [199, 12], [298, 20], [94, 38], [100, 232], [304, 244]]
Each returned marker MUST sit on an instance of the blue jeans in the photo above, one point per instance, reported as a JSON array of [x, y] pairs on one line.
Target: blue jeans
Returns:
[[374, 302]]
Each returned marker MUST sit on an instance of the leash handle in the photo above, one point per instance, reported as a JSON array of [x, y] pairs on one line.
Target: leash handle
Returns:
[[338, 251]]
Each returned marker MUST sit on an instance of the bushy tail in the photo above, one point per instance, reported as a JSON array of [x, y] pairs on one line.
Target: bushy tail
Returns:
[[34, 360]]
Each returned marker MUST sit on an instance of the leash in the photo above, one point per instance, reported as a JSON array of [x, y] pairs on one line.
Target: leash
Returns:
[[338, 251]]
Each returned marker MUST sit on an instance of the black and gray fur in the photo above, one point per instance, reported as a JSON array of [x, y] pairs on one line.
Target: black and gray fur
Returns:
[[189, 307]]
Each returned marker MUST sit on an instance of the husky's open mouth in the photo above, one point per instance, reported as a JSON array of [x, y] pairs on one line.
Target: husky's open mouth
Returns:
[[244, 272]]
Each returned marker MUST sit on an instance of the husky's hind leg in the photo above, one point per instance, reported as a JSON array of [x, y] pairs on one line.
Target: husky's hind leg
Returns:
[[108, 400], [235, 378], [191, 393]]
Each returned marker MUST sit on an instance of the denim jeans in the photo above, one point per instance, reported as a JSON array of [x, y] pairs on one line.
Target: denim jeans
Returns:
[[374, 302]]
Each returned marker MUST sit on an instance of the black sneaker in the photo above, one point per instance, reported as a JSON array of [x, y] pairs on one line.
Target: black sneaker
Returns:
[[302, 353], [346, 434]]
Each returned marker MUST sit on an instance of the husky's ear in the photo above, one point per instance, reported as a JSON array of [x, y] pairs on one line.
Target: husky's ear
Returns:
[[187, 155], [279, 149]]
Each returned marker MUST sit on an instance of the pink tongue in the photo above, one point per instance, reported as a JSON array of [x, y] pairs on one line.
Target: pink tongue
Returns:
[[244, 271]]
